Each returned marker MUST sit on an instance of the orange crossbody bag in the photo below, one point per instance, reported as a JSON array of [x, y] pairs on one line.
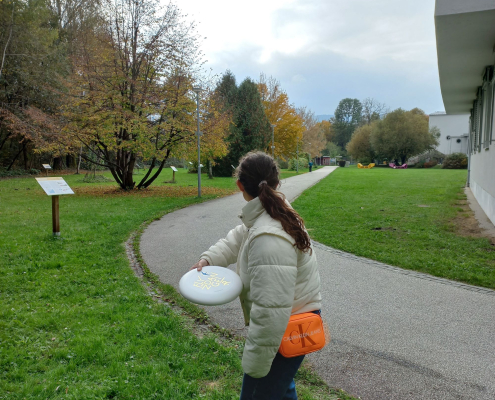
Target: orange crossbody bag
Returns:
[[305, 334]]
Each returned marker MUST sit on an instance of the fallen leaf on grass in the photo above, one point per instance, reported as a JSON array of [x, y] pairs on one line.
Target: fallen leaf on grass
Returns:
[[158, 191]]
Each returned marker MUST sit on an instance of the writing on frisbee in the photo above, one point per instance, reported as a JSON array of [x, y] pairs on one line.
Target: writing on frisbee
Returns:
[[212, 281]]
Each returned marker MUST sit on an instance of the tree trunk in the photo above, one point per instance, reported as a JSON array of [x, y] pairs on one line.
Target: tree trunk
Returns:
[[143, 181], [150, 181], [210, 170], [79, 163], [128, 179], [57, 163], [17, 155], [25, 156]]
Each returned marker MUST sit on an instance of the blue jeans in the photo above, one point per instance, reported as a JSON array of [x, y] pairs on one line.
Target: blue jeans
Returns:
[[277, 385]]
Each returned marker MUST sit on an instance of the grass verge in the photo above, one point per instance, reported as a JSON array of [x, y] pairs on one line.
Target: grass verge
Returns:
[[76, 323], [399, 217]]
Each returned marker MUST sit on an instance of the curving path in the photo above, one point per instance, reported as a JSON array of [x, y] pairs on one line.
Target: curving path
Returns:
[[396, 334]]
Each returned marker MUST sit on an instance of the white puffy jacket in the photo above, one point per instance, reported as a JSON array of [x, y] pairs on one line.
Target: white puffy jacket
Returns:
[[278, 280]]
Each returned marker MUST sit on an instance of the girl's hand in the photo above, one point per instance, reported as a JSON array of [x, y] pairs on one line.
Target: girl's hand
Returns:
[[199, 265]]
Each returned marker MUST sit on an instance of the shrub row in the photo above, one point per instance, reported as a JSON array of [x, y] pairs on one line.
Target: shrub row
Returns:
[[18, 172], [303, 163], [455, 161]]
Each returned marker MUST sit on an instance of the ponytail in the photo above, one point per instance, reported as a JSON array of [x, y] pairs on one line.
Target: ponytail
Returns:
[[259, 174]]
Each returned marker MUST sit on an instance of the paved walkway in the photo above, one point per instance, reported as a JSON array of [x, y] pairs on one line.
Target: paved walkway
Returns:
[[396, 334]]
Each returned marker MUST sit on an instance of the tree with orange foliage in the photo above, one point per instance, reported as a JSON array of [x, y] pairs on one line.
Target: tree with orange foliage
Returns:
[[215, 124], [131, 91], [327, 129], [32, 61], [289, 126], [314, 140], [360, 145]]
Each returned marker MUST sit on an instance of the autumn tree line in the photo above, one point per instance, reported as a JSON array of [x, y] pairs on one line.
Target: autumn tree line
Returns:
[[368, 131], [112, 83]]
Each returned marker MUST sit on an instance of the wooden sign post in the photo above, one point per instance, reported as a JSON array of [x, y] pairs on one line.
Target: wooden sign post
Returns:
[[173, 176], [55, 187], [47, 168], [55, 216]]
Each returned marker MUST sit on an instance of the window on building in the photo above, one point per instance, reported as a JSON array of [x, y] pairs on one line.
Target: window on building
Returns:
[[478, 120], [472, 130], [487, 101]]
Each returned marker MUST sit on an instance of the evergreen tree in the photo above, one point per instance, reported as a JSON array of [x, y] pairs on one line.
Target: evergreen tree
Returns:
[[347, 118], [251, 129]]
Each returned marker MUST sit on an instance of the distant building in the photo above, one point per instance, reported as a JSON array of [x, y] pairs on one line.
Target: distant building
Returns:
[[323, 160], [465, 33], [453, 132]]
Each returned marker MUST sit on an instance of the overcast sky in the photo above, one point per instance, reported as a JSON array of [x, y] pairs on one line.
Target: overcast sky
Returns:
[[322, 51]]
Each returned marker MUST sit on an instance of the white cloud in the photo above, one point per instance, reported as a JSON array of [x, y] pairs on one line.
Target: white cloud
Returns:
[[323, 51]]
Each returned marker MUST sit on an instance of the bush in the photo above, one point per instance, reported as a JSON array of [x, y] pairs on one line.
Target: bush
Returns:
[[430, 164], [455, 161], [18, 172], [303, 163], [283, 164], [419, 164]]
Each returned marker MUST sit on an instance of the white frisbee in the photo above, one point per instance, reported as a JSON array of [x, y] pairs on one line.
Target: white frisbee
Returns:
[[211, 286]]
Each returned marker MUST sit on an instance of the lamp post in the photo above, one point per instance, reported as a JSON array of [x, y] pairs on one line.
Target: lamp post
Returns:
[[197, 90], [297, 156], [273, 141]]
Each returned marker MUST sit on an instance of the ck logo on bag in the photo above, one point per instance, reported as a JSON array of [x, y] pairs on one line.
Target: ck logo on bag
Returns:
[[304, 334]]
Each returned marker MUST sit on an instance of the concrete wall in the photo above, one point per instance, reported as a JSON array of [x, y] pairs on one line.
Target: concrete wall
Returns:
[[482, 181], [453, 126]]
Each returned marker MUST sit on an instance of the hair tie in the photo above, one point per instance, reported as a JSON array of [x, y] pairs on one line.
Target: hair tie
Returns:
[[261, 183]]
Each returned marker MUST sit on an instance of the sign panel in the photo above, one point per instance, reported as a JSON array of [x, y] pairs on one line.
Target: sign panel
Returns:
[[174, 169], [46, 166], [54, 186]]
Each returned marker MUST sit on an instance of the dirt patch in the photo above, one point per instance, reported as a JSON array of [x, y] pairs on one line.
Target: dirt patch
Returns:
[[466, 224], [156, 191]]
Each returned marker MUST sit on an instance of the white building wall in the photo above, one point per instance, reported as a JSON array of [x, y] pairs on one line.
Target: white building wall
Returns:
[[482, 180], [454, 127]]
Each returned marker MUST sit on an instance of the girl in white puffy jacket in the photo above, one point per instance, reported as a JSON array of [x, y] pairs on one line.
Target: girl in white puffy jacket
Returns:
[[279, 273]]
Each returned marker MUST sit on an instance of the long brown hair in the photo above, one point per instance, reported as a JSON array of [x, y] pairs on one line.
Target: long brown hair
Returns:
[[259, 174]]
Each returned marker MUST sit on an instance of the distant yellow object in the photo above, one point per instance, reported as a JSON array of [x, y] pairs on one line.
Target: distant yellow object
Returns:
[[369, 166]]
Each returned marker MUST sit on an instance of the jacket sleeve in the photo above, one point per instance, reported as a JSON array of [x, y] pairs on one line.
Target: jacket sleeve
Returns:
[[225, 251], [272, 265]]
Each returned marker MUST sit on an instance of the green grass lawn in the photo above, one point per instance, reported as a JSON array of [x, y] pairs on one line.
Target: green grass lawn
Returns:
[[182, 178], [399, 217], [75, 323]]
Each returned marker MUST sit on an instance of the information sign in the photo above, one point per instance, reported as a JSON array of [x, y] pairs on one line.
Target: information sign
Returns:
[[54, 186], [174, 169], [46, 166]]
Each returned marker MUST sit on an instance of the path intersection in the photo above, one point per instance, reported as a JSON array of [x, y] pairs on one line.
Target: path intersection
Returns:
[[396, 334]]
